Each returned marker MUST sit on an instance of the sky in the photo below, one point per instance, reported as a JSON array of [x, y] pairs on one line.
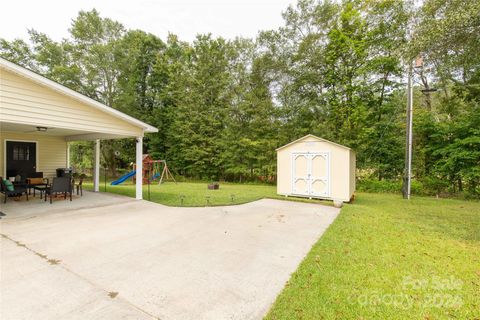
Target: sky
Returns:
[[185, 18]]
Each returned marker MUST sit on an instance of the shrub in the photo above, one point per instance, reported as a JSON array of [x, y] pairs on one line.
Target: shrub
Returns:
[[373, 185], [389, 186], [434, 185]]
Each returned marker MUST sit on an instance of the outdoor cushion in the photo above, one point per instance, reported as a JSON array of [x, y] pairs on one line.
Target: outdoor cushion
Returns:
[[9, 185], [36, 180]]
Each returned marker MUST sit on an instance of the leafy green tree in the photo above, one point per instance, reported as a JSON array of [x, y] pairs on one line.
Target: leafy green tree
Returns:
[[337, 66], [335, 69], [201, 108], [252, 126]]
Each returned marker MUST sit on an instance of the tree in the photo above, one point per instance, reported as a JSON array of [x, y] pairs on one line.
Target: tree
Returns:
[[334, 69], [95, 48], [251, 127]]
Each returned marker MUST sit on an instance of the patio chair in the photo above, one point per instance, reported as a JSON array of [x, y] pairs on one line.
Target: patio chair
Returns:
[[59, 185], [78, 185], [18, 190], [36, 179]]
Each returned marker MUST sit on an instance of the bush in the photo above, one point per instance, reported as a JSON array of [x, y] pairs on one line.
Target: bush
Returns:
[[434, 185], [417, 187], [388, 186], [385, 186]]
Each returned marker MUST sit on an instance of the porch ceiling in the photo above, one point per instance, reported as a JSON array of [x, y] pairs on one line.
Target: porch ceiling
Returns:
[[23, 128], [69, 134]]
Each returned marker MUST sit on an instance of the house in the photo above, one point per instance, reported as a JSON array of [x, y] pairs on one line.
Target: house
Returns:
[[39, 118], [314, 167]]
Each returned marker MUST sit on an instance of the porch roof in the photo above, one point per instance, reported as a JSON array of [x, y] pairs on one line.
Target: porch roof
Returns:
[[30, 101]]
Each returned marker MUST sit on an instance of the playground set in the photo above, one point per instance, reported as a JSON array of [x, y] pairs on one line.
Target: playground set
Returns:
[[153, 170]]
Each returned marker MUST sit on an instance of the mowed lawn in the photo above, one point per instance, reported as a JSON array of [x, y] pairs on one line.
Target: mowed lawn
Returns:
[[195, 193], [382, 258], [388, 258]]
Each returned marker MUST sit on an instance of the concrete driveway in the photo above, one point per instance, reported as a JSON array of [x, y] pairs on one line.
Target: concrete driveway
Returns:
[[141, 260]]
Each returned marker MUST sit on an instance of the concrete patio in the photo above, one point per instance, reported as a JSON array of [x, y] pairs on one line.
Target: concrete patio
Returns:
[[36, 206], [123, 259]]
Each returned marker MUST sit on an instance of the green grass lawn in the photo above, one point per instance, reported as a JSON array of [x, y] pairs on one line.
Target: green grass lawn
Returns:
[[197, 194], [388, 258]]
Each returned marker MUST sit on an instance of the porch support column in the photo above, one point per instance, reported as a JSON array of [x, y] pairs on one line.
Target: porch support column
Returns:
[[96, 168], [139, 168], [68, 154]]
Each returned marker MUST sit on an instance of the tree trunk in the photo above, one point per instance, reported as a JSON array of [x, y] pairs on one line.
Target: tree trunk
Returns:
[[428, 98]]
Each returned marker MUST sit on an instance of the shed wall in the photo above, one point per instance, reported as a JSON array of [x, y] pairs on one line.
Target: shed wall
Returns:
[[353, 171], [340, 166]]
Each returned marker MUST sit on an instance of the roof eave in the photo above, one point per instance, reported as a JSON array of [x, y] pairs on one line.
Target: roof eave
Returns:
[[312, 136], [74, 95], [151, 129]]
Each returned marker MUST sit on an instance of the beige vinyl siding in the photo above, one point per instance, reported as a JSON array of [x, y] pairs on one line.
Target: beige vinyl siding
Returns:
[[51, 151], [26, 102]]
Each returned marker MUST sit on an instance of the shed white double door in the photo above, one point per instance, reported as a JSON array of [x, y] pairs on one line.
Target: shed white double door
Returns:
[[311, 174]]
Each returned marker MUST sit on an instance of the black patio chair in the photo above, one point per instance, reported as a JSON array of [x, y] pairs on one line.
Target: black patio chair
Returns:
[[78, 184], [59, 185], [18, 190]]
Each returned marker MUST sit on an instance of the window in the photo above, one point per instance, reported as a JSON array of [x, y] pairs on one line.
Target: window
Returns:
[[21, 153]]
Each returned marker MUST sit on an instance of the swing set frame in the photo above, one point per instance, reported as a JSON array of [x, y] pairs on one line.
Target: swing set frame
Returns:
[[152, 169]]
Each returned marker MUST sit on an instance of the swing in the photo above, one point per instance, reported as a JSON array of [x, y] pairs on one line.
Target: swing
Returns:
[[156, 171], [152, 170]]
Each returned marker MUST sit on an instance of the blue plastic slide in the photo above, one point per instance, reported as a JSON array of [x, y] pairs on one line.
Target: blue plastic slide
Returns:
[[123, 178]]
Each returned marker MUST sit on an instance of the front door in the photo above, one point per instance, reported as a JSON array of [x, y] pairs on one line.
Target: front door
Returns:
[[21, 158], [311, 174]]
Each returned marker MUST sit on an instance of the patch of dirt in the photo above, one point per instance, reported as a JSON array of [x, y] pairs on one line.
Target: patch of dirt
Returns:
[[41, 255], [53, 261]]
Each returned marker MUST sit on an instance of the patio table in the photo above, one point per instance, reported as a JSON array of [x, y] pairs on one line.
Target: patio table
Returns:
[[41, 188]]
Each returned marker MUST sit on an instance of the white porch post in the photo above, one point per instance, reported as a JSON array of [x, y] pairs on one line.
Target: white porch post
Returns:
[[68, 154], [139, 169], [96, 170]]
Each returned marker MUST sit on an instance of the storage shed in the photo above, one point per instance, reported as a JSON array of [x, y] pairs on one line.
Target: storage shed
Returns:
[[316, 168]]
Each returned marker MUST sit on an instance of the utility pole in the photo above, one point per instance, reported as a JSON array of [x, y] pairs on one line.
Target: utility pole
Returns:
[[408, 143]]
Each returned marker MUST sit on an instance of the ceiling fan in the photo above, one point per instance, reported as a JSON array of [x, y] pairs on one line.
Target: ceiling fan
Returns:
[[39, 129]]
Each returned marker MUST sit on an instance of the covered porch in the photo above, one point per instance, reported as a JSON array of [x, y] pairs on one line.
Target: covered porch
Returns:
[[39, 118], [26, 149], [36, 207]]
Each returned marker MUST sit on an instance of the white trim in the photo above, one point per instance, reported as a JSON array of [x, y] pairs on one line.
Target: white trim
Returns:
[[315, 137], [96, 167], [37, 152], [294, 156], [68, 154], [309, 156], [87, 134], [73, 94], [139, 168], [95, 136], [326, 155]]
